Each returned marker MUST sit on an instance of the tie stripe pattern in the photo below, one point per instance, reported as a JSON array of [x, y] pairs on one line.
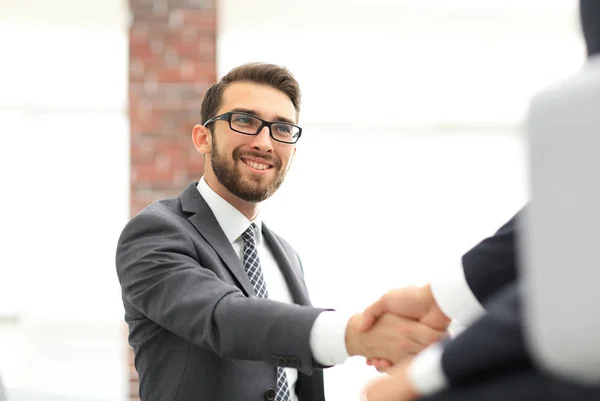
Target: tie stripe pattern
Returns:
[[254, 272]]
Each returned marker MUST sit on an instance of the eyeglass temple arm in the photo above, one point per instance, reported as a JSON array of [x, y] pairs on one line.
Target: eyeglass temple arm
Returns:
[[221, 117]]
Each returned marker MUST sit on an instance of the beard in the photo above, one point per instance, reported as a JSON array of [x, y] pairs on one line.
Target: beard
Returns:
[[254, 188]]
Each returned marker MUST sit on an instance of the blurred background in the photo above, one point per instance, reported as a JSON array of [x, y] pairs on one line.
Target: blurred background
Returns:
[[411, 152]]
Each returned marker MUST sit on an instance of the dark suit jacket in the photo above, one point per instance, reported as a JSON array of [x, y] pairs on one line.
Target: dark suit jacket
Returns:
[[492, 263], [493, 345], [196, 327], [495, 342], [490, 361]]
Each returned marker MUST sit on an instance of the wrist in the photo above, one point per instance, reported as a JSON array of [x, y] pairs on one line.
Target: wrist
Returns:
[[352, 334], [434, 317], [409, 390]]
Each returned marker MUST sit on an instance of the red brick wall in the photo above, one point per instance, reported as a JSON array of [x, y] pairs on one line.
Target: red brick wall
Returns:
[[171, 64]]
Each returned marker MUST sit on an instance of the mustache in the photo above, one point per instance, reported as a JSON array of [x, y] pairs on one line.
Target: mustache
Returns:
[[237, 154]]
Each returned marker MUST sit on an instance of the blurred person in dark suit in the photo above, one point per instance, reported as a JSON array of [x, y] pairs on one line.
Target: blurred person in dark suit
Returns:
[[547, 349], [463, 294], [216, 301]]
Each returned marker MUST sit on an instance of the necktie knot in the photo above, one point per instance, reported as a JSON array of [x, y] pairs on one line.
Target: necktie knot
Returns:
[[249, 235]]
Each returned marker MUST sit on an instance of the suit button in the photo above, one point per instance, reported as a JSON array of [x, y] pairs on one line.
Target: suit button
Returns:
[[270, 395]]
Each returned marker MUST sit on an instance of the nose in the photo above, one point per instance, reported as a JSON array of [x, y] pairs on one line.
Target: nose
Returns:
[[263, 141]]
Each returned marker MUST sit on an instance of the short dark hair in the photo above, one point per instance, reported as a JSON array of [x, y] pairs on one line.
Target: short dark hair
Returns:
[[261, 73]]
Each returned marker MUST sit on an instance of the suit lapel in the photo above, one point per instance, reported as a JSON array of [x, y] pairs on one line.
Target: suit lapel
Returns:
[[293, 277], [205, 222]]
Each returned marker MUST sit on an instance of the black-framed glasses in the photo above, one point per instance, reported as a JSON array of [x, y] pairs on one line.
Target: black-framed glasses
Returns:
[[249, 124]]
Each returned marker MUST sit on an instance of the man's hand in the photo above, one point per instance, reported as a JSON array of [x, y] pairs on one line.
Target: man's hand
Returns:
[[395, 387], [415, 303], [391, 337]]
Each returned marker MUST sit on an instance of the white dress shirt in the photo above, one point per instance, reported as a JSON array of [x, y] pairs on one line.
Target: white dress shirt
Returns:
[[328, 334]]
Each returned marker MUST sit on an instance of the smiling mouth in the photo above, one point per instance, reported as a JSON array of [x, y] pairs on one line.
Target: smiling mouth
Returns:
[[257, 165]]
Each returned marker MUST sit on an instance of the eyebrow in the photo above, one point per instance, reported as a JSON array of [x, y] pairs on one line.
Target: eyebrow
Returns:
[[254, 112]]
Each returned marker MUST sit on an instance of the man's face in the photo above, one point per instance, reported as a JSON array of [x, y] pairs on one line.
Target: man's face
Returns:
[[251, 167]]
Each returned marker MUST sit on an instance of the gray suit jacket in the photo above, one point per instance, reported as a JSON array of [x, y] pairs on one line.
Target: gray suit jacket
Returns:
[[196, 327]]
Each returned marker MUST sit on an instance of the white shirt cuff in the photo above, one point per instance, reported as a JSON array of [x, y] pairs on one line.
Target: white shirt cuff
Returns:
[[328, 338], [425, 371], [454, 296]]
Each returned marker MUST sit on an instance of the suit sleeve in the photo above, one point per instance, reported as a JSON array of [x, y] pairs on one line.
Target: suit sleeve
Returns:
[[462, 291], [492, 263], [161, 277], [328, 335], [492, 345]]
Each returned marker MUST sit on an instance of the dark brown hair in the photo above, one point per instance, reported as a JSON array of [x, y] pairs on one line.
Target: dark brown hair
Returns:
[[261, 73]]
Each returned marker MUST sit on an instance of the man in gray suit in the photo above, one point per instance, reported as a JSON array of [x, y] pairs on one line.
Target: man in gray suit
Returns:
[[216, 302]]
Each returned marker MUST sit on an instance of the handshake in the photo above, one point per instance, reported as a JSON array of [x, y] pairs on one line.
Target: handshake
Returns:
[[396, 327]]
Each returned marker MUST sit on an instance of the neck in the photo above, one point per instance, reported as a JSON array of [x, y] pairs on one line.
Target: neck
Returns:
[[248, 209]]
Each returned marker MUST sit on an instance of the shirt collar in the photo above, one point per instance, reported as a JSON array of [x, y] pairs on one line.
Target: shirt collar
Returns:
[[232, 221]]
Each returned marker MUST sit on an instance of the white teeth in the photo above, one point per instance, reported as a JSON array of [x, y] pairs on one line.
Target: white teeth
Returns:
[[258, 166]]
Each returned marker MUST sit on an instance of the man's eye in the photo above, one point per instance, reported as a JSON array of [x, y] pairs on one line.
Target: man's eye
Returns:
[[243, 120], [283, 129]]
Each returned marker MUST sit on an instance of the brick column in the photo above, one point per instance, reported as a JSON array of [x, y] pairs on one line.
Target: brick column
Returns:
[[171, 65]]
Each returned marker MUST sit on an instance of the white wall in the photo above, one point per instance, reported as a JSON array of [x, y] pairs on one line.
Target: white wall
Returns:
[[410, 155], [64, 168], [411, 151], [426, 62]]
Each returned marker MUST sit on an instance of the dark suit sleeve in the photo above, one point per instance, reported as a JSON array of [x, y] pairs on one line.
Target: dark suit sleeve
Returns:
[[492, 345], [492, 264], [157, 265]]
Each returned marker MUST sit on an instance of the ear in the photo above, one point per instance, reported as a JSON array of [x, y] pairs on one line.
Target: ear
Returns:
[[202, 139]]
